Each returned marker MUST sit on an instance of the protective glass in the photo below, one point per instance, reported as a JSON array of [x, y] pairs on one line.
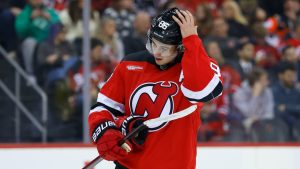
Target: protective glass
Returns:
[[154, 46]]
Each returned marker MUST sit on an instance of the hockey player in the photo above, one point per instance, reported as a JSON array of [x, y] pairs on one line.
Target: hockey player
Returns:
[[174, 73]]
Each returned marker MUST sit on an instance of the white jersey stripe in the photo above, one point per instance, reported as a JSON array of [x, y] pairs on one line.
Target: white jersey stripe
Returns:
[[203, 93], [110, 103], [98, 109]]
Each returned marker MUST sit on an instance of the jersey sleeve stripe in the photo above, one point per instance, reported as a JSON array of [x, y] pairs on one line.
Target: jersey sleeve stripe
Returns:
[[110, 103], [214, 94], [98, 107], [198, 95]]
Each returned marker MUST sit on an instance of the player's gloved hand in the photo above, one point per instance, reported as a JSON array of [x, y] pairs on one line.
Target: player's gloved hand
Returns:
[[131, 122], [107, 136]]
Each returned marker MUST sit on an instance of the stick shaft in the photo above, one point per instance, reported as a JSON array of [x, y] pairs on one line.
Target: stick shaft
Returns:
[[93, 163]]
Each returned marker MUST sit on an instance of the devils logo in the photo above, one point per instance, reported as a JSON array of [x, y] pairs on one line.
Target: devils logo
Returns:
[[152, 100]]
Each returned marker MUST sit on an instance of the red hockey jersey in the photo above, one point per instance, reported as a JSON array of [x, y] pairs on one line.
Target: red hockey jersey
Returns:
[[138, 86]]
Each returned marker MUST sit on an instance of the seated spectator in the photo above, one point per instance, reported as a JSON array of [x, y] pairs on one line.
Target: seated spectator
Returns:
[[123, 13], [235, 19], [71, 18], [67, 93], [204, 18], [266, 56], [113, 47], [250, 9], [231, 78], [136, 41], [55, 56], [32, 26], [253, 101], [220, 34], [258, 16], [286, 96], [245, 64], [101, 68], [291, 13], [289, 55]]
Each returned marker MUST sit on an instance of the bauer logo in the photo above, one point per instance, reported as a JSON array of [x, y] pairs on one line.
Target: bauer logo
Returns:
[[101, 129], [152, 100], [164, 25]]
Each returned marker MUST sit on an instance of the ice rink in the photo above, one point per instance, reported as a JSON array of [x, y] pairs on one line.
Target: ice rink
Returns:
[[210, 156]]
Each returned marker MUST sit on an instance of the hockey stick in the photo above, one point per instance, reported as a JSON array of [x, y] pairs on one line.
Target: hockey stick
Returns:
[[147, 123]]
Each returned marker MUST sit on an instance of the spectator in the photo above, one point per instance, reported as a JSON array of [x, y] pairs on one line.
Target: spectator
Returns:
[[122, 11], [137, 41], [113, 46], [54, 57], [289, 55], [291, 13], [244, 65], [220, 34], [254, 100], [204, 19], [235, 19], [35, 21], [259, 15], [286, 96], [231, 78], [248, 8], [72, 20], [67, 93], [33, 25], [101, 69], [265, 56]]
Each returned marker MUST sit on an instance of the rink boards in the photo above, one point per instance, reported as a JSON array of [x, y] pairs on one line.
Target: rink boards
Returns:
[[210, 156]]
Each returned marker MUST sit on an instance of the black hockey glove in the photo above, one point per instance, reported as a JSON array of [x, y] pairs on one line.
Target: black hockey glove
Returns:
[[131, 122]]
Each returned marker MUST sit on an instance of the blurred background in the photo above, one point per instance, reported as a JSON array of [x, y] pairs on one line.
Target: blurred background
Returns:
[[256, 43]]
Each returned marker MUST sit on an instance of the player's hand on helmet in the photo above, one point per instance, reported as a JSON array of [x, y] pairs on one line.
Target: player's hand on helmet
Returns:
[[130, 123], [186, 22], [107, 137]]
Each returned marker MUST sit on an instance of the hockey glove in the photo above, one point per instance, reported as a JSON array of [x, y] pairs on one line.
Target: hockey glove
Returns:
[[107, 137], [131, 122]]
